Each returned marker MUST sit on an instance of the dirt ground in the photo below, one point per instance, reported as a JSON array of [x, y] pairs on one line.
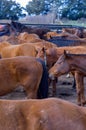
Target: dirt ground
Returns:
[[64, 90]]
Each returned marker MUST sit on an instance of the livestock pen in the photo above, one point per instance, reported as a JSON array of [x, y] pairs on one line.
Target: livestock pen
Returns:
[[64, 85]]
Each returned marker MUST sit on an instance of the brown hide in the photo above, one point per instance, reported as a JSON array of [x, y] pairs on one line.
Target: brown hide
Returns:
[[49, 35], [69, 62], [25, 49], [72, 62], [22, 70], [67, 33], [52, 56], [44, 114], [21, 38], [11, 39], [17, 50], [70, 34], [70, 30], [25, 37], [3, 45], [74, 31], [43, 44], [3, 38], [35, 40], [81, 32]]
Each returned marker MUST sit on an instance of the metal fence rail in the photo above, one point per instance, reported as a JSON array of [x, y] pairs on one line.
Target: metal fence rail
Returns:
[[50, 26], [60, 42]]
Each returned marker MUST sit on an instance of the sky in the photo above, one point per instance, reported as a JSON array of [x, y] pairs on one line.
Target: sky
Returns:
[[22, 2]]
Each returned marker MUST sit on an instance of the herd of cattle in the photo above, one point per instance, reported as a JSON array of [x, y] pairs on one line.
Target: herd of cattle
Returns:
[[32, 61]]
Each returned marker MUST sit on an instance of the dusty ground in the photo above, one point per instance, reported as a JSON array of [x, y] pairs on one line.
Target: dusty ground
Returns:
[[64, 90]]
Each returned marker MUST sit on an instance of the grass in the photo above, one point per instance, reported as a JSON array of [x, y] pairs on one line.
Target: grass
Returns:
[[81, 22]]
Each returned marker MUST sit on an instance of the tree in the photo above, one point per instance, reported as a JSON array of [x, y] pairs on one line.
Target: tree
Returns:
[[44, 6], [38, 6], [72, 9], [10, 10], [75, 9]]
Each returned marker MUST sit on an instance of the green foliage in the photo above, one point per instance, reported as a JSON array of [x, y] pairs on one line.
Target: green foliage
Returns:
[[75, 9], [38, 6], [72, 9], [10, 10], [35, 7]]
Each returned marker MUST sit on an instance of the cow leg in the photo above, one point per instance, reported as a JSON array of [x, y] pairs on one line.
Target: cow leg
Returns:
[[31, 87], [53, 83], [80, 88], [83, 101], [31, 93], [77, 78], [74, 81], [74, 84], [54, 86]]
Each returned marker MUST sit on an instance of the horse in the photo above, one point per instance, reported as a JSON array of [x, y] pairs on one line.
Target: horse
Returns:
[[21, 38], [51, 55], [44, 114], [26, 49], [7, 50], [76, 31], [26, 37], [17, 27], [69, 37], [50, 35], [68, 41], [13, 39], [72, 62], [26, 71], [67, 33], [34, 40], [81, 32]]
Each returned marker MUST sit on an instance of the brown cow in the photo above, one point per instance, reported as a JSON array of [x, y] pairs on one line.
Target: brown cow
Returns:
[[44, 114], [72, 62], [25, 71]]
